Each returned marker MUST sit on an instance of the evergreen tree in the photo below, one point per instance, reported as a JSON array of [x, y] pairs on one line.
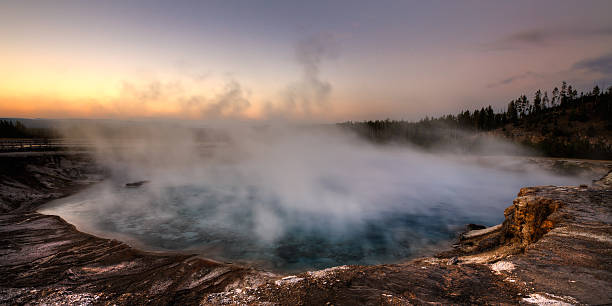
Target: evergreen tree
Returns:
[[563, 94], [545, 100], [512, 112], [523, 106], [555, 97], [537, 102], [571, 93]]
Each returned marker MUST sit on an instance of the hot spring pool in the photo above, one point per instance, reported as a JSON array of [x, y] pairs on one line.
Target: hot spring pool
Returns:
[[251, 223]]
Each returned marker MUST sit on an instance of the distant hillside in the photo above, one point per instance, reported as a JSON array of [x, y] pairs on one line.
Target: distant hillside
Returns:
[[564, 124], [581, 127]]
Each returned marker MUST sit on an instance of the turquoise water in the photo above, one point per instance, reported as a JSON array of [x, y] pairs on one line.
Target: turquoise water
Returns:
[[249, 224]]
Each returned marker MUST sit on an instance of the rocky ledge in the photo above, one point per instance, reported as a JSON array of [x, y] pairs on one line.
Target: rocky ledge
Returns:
[[555, 246]]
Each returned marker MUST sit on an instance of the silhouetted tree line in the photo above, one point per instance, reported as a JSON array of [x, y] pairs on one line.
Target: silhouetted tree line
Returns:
[[556, 118], [16, 129], [10, 129]]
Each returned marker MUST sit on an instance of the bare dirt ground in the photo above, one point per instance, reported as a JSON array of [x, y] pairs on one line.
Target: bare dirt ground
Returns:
[[555, 246]]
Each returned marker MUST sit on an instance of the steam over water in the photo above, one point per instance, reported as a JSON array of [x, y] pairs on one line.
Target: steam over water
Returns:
[[293, 200]]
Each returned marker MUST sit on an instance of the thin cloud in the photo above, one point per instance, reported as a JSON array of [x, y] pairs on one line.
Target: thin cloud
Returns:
[[514, 78], [600, 67], [543, 36], [601, 64], [533, 36]]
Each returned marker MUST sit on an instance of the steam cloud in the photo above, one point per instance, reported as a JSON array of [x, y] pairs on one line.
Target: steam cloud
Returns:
[[310, 93], [288, 196], [301, 98]]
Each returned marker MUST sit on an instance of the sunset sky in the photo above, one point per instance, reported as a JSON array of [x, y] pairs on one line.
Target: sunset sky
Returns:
[[321, 61]]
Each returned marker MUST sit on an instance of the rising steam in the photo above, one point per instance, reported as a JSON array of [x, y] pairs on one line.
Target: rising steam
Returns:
[[310, 93], [290, 197]]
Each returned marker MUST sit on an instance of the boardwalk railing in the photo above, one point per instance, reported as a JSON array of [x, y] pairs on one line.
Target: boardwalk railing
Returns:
[[38, 144], [27, 144]]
